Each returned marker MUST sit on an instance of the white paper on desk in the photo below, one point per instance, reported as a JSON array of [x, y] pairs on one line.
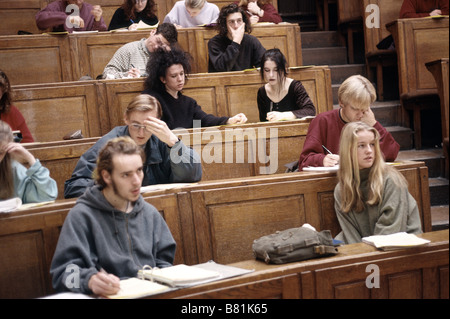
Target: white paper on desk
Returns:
[[394, 241], [159, 187], [10, 205], [321, 169]]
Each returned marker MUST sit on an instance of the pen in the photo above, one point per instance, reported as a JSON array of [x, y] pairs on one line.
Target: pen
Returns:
[[326, 149], [131, 21]]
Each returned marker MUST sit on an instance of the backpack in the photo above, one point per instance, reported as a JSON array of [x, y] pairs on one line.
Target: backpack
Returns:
[[294, 244]]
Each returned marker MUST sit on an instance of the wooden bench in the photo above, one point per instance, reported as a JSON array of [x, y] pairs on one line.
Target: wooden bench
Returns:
[[439, 69], [20, 14], [234, 151], [418, 41], [379, 59], [42, 58], [350, 21], [96, 107], [418, 273], [209, 220]]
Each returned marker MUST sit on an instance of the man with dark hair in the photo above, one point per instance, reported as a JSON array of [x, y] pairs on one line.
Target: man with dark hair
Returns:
[[131, 59], [111, 232], [233, 49]]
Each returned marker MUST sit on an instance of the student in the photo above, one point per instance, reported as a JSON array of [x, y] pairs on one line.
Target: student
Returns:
[[232, 49], [423, 8], [111, 232], [71, 15], [281, 98], [11, 114], [132, 12], [22, 175], [371, 197], [167, 159], [192, 13], [130, 61], [356, 95], [260, 11], [169, 70]]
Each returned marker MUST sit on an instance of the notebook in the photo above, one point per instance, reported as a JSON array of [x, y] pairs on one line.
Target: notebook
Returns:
[[321, 169], [135, 287], [178, 276], [395, 241]]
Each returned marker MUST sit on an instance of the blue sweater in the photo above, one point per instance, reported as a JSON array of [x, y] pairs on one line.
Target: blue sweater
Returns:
[[159, 168]]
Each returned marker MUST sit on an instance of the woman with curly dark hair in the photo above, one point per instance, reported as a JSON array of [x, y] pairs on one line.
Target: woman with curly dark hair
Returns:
[[11, 114], [233, 49], [168, 70], [133, 11]]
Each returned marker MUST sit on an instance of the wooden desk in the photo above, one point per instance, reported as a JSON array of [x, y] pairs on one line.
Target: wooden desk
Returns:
[[41, 58], [209, 220], [439, 69], [417, 42], [416, 273]]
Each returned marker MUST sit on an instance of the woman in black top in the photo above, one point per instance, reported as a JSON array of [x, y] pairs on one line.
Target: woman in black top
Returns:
[[282, 98], [132, 12], [167, 76]]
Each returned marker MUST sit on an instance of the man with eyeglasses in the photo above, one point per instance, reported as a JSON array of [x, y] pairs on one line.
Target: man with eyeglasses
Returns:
[[71, 15], [167, 159], [233, 49], [130, 60]]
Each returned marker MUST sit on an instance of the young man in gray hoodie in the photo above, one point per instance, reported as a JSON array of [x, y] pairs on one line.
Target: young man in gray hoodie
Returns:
[[111, 232]]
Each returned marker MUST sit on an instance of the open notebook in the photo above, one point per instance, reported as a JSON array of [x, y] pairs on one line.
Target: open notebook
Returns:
[[395, 241], [152, 281]]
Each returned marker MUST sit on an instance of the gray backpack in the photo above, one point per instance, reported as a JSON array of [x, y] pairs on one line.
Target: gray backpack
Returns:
[[294, 244]]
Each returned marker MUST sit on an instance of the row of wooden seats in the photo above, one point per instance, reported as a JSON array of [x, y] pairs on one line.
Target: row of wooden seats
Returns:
[[19, 15], [49, 58], [96, 107], [235, 151], [419, 273], [216, 220]]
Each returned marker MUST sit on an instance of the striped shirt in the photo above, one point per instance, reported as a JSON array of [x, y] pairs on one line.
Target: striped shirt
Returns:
[[134, 54]]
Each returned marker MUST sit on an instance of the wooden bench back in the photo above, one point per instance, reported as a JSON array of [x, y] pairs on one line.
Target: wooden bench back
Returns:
[[389, 11], [210, 220], [96, 107], [41, 58], [419, 41]]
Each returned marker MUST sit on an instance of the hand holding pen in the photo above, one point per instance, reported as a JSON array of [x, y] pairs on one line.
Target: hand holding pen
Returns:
[[330, 159], [104, 284]]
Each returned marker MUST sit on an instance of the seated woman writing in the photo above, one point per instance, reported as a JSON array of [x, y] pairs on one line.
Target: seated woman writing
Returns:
[[282, 98], [371, 197], [167, 76], [22, 175]]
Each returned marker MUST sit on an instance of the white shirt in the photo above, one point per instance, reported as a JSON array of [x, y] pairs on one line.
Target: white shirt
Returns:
[[180, 16]]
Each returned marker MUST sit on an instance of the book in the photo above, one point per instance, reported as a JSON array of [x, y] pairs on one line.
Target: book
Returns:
[[144, 26], [321, 168], [135, 287], [179, 275], [10, 205], [395, 241]]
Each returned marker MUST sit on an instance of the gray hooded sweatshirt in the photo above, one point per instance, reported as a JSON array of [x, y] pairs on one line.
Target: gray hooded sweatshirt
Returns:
[[95, 235]]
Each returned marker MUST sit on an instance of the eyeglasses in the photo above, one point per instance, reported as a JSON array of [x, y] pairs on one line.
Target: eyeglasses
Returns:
[[137, 127]]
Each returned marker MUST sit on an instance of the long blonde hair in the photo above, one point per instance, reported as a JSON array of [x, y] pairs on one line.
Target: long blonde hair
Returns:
[[6, 174], [349, 171]]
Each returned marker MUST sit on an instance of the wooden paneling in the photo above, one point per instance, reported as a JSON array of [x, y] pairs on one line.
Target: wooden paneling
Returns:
[[419, 41], [52, 111]]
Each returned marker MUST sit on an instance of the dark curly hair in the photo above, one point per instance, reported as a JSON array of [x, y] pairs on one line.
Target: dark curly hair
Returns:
[[221, 26], [130, 13], [5, 87], [160, 61]]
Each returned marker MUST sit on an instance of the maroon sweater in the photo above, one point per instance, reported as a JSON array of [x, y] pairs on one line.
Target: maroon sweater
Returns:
[[325, 129], [422, 8]]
